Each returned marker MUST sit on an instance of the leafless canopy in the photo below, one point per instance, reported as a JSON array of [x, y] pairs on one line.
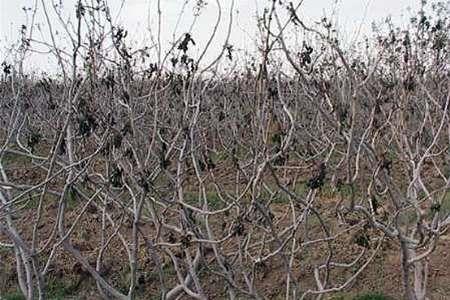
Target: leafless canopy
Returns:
[[156, 173]]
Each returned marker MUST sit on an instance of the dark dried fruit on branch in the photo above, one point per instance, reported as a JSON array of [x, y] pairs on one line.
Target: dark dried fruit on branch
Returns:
[[163, 162], [183, 46], [238, 228], [229, 49], [50, 103], [277, 139], [210, 165], [86, 124], [201, 165], [410, 83], [116, 177], [126, 97], [374, 205], [117, 140], [435, 207], [305, 55], [80, 10], [386, 163], [362, 239], [273, 93], [171, 238], [109, 81], [293, 15], [317, 180], [143, 183], [62, 147], [119, 34], [424, 23], [6, 68], [221, 116], [126, 129], [261, 268], [33, 139], [174, 61], [185, 241], [281, 160]]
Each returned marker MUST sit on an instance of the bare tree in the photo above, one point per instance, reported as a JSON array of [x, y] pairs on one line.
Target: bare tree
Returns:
[[137, 161]]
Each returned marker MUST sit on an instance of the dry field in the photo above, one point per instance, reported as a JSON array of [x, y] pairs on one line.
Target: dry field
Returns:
[[306, 170]]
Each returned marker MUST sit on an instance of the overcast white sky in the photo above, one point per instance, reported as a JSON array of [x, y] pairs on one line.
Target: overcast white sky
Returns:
[[139, 15]]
